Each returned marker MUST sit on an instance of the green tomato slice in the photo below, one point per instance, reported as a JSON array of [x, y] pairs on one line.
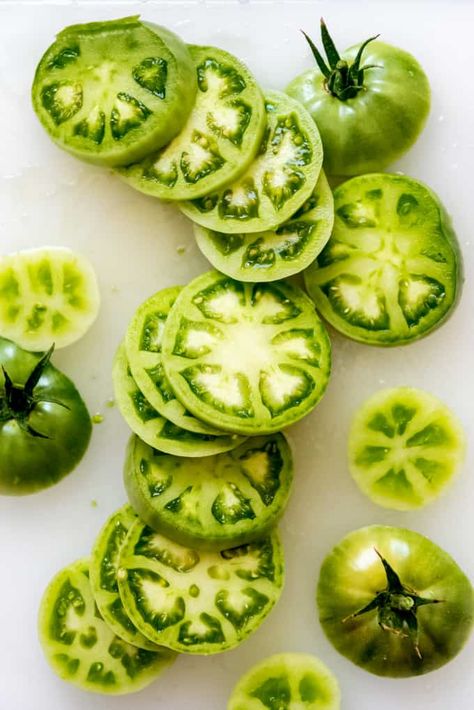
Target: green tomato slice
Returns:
[[47, 295], [248, 358], [277, 182], [214, 502], [111, 92], [103, 577], [273, 254], [405, 447], [287, 681], [194, 601], [220, 139], [155, 430], [143, 342], [82, 649], [393, 602], [391, 271]]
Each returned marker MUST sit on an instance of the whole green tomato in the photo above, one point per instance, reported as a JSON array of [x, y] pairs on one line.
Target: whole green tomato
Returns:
[[369, 113], [393, 602], [44, 424]]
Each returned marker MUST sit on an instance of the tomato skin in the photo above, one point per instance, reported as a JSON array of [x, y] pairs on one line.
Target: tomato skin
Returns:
[[352, 575], [371, 130], [30, 463]]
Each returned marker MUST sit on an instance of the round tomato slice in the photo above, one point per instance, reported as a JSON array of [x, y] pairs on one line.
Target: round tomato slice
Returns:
[[143, 342], [111, 92], [214, 502], [155, 430], [194, 601], [48, 295], [274, 254], [276, 184], [82, 649], [393, 602], [221, 137], [103, 577], [45, 427], [285, 681], [405, 446], [370, 103], [248, 358], [391, 271]]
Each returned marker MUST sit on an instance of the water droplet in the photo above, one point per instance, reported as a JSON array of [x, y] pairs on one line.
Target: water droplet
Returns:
[[98, 418]]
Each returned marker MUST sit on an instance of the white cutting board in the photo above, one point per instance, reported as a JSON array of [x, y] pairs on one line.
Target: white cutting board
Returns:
[[47, 197]]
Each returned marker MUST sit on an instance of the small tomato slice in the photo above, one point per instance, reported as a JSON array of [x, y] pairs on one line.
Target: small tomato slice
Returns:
[[393, 602], [82, 649], [47, 295], [405, 446], [286, 681]]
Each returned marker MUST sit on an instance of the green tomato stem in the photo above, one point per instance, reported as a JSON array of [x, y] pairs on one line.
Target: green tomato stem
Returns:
[[342, 80], [19, 401], [396, 607]]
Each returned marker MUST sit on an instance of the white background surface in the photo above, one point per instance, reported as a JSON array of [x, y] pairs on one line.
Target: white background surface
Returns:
[[47, 197]]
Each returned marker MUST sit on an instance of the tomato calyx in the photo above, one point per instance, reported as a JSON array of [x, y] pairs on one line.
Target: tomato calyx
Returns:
[[397, 607], [341, 79], [18, 401]]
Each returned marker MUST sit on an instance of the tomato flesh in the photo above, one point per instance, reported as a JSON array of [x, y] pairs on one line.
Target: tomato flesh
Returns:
[[219, 139], [194, 601], [103, 577], [82, 649], [273, 254], [249, 358], [155, 430], [143, 342], [111, 92], [279, 180], [286, 681], [214, 502], [391, 271]]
